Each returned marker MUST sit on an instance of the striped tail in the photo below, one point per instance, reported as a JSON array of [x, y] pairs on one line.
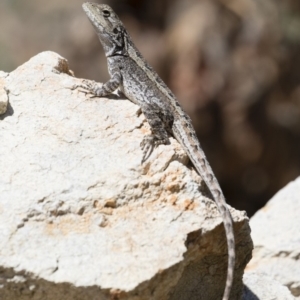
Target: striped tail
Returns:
[[186, 136]]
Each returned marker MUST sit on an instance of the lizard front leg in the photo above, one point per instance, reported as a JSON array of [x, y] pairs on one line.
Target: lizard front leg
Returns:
[[101, 90]]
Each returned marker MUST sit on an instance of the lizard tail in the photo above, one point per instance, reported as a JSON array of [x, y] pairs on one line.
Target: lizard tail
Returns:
[[186, 135]]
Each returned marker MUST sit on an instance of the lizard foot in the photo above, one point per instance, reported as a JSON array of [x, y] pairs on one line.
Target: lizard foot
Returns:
[[148, 144], [90, 87]]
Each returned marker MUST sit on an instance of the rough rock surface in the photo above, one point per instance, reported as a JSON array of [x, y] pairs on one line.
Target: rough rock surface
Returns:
[[81, 218], [3, 94], [263, 287], [275, 230]]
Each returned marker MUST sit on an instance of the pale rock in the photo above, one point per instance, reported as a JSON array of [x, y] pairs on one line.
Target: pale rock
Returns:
[[275, 230], [263, 287], [3, 93], [81, 218]]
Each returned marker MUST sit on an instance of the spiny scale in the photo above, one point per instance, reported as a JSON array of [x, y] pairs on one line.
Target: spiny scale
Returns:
[[136, 79]]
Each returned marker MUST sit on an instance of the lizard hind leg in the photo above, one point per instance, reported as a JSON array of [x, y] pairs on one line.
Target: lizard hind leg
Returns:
[[159, 135]]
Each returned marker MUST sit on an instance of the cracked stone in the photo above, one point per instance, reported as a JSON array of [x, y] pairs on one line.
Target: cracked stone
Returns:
[[100, 224]]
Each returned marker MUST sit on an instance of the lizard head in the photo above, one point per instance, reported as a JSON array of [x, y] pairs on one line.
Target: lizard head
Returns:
[[107, 24]]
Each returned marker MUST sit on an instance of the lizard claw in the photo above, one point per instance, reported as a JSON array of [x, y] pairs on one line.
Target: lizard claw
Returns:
[[148, 144], [90, 87]]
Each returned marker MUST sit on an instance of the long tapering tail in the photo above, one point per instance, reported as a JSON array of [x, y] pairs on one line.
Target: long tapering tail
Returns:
[[185, 134]]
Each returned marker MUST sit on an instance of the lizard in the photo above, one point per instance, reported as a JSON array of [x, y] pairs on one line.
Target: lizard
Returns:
[[131, 73]]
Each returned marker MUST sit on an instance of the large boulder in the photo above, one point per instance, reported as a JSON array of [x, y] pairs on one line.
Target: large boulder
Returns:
[[276, 236], [82, 218]]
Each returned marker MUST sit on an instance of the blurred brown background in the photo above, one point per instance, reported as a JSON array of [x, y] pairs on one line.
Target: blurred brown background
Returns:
[[233, 64]]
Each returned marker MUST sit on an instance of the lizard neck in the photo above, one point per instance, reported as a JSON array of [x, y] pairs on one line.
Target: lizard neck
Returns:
[[114, 44]]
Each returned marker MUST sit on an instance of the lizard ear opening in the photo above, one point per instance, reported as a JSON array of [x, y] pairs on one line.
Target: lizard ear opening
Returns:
[[115, 31], [106, 13]]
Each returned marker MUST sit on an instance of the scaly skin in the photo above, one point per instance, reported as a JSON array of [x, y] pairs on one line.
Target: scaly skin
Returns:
[[136, 79]]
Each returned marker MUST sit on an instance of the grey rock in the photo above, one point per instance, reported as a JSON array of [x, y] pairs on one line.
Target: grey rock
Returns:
[[264, 287], [275, 230], [81, 218], [3, 93]]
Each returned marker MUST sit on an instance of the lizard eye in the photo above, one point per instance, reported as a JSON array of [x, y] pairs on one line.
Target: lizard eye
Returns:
[[115, 31], [106, 13]]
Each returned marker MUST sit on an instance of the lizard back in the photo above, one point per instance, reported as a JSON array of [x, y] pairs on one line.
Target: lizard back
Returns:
[[142, 85]]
